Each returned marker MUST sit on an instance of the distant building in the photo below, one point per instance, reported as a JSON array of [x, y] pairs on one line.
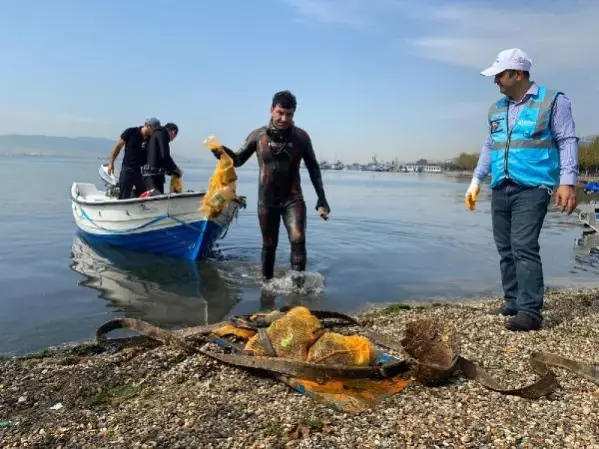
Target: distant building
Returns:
[[324, 165], [423, 168]]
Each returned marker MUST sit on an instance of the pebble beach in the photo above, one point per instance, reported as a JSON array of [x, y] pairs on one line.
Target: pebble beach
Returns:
[[111, 395]]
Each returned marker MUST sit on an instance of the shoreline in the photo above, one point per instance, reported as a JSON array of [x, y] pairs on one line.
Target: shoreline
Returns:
[[92, 395]]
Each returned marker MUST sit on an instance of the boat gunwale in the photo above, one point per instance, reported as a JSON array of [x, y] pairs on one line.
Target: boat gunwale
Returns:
[[79, 199]]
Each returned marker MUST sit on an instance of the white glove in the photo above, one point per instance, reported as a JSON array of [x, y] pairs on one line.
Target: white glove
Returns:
[[473, 185], [472, 193]]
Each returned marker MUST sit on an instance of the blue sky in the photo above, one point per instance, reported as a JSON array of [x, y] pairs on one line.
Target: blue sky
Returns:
[[384, 77]]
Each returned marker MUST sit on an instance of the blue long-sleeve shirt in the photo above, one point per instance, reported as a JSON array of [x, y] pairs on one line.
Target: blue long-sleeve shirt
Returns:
[[562, 129]]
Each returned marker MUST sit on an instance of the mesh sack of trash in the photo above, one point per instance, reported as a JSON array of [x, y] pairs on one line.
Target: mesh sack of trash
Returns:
[[222, 183], [299, 335], [176, 185]]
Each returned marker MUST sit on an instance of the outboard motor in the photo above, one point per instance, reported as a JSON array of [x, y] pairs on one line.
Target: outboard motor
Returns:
[[111, 183]]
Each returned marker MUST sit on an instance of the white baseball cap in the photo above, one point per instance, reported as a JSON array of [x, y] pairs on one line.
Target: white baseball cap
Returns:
[[511, 59]]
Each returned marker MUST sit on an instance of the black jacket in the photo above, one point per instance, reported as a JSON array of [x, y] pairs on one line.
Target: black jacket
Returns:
[[159, 152]]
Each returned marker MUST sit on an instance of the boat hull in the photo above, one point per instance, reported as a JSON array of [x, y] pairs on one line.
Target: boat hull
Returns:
[[167, 225]]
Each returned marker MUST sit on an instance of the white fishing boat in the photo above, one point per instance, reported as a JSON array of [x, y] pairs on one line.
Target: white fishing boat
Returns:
[[168, 224], [588, 215]]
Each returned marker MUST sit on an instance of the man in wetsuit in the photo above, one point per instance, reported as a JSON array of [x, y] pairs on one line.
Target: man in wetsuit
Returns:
[[280, 147], [134, 140], [159, 161]]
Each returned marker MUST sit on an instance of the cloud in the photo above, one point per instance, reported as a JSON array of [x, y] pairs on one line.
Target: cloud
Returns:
[[358, 14], [561, 34], [557, 34]]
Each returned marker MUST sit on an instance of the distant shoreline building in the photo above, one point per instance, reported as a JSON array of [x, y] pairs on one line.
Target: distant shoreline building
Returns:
[[423, 168]]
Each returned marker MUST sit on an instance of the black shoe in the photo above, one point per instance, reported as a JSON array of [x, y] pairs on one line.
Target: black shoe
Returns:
[[504, 310], [523, 322]]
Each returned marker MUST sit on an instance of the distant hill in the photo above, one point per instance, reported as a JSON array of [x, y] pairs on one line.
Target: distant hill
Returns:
[[21, 144]]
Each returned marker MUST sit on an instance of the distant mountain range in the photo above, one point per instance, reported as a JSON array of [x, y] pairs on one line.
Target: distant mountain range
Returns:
[[70, 147], [40, 145], [95, 147]]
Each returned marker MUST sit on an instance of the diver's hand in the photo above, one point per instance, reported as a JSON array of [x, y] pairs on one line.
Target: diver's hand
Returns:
[[323, 208], [178, 173], [110, 168], [223, 149], [472, 194]]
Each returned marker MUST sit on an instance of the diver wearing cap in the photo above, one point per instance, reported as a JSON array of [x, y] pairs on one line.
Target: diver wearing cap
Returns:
[[530, 151], [134, 140]]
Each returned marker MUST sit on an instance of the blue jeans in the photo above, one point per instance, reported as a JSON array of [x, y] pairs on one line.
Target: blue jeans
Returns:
[[517, 215]]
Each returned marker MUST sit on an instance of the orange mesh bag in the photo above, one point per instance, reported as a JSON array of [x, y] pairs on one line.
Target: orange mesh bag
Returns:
[[229, 329], [291, 336], [336, 349], [222, 184]]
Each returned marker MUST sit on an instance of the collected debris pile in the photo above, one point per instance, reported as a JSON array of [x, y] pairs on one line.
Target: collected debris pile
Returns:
[[308, 351]]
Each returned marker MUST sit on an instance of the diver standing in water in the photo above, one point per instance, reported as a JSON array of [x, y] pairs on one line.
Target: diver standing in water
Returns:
[[280, 147]]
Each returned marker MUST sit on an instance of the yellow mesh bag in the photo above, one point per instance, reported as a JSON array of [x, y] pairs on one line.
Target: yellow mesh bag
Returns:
[[336, 349], [229, 329], [291, 336], [222, 184], [176, 185]]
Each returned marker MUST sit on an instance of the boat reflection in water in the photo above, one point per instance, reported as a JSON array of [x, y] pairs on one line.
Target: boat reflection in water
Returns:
[[164, 291]]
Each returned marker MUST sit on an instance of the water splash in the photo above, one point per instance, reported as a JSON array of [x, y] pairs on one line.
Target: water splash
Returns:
[[296, 282]]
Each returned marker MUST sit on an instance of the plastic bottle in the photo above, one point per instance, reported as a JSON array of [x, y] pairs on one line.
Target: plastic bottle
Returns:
[[323, 213], [212, 142], [225, 172]]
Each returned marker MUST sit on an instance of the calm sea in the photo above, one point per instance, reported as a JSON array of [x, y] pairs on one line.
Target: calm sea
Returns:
[[391, 237]]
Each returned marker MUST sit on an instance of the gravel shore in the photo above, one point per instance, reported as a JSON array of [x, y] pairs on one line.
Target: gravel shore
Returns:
[[108, 396]]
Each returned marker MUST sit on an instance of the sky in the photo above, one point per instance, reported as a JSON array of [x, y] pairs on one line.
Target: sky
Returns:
[[391, 78]]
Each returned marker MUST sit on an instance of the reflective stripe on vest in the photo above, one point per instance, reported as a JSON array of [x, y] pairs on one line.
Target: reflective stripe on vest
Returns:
[[526, 154]]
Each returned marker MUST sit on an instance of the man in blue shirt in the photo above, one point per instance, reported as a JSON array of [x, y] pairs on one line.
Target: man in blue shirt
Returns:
[[531, 151]]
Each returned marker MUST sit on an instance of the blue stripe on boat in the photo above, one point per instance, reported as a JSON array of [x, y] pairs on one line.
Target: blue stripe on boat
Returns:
[[182, 241]]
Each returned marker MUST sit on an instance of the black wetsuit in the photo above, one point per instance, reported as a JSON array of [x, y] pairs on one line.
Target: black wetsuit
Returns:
[[159, 161], [279, 154], [133, 159]]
